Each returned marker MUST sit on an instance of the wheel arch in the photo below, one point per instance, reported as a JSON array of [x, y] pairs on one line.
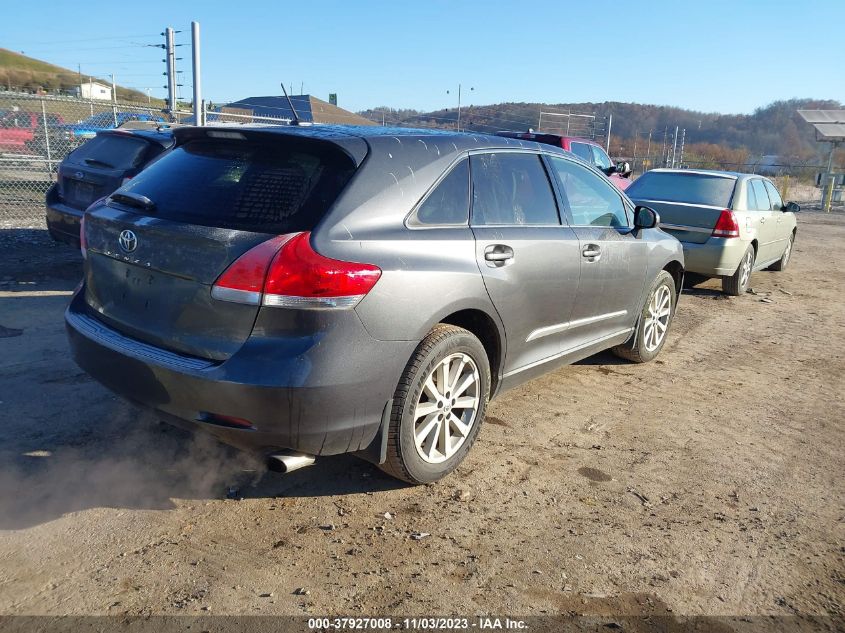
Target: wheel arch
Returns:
[[676, 269], [485, 328]]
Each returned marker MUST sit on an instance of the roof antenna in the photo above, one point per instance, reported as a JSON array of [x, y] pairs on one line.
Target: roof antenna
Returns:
[[290, 103]]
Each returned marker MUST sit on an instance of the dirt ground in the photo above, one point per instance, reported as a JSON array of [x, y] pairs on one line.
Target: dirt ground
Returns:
[[707, 482]]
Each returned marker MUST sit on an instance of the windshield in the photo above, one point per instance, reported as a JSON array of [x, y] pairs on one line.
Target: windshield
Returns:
[[691, 188]]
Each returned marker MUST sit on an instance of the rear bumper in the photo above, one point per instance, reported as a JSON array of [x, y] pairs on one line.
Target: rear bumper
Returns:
[[717, 257], [62, 220], [301, 395]]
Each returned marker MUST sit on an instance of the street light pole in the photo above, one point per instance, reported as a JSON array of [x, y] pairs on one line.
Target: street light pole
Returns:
[[459, 105]]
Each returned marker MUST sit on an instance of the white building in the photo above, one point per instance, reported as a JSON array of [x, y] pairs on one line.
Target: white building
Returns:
[[94, 90]]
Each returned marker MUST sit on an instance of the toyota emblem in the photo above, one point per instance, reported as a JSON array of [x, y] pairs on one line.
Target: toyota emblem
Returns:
[[128, 241]]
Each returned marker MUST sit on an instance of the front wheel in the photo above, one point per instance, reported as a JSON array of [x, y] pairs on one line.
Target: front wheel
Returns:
[[784, 259], [438, 406], [653, 324]]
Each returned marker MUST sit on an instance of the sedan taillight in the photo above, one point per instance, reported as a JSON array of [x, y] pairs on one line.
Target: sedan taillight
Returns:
[[726, 225]]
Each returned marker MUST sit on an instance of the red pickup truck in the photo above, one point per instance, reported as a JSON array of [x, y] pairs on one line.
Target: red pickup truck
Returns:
[[18, 128], [590, 151]]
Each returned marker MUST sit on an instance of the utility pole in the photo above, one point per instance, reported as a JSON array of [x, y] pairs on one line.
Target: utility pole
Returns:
[[681, 154], [170, 62], [459, 105], [609, 127], [199, 113], [674, 146]]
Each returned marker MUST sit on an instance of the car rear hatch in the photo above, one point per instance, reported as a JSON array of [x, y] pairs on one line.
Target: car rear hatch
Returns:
[[689, 203], [158, 244], [98, 167]]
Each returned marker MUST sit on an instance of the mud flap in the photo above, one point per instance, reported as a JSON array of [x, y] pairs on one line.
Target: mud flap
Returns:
[[376, 452]]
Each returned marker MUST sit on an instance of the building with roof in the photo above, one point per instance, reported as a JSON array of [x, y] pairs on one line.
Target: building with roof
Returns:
[[309, 109]]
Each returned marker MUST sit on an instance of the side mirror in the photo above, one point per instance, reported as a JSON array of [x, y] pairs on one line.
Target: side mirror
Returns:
[[645, 218], [609, 170], [792, 207]]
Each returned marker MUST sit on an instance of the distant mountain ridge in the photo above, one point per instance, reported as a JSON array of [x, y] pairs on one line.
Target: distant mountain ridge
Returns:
[[774, 129]]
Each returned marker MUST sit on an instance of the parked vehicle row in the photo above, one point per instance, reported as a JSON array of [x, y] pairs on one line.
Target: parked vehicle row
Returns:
[[314, 291]]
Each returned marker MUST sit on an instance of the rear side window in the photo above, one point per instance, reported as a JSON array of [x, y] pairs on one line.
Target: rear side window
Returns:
[[774, 196], [761, 196], [448, 203], [582, 150], [112, 152], [275, 187], [703, 189], [511, 188]]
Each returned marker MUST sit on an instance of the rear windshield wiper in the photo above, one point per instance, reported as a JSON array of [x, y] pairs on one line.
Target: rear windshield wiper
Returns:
[[101, 163], [133, 200]]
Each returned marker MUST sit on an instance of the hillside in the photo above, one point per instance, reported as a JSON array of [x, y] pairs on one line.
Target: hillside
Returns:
[[773, 129], [19, 72]]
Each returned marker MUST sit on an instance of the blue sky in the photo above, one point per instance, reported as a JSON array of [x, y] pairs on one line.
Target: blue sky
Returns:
[[712, 55]]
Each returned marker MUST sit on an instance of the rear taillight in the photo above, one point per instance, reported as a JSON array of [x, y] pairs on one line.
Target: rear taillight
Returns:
[[726, 225], [286, 272], [83, 243]]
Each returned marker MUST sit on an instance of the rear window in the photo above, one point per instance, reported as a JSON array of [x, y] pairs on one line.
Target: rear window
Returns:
[[692, 188], [112, 151], [278, 187]]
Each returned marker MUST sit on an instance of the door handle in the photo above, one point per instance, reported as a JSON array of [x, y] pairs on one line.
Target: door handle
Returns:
[[592, 252], [498, 254]]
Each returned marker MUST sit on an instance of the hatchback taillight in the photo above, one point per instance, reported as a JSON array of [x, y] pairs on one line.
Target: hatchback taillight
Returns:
[[286, 272], [726, 225]]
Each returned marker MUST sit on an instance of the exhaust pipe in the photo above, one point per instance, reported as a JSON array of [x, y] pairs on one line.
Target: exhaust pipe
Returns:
[[288, 462]]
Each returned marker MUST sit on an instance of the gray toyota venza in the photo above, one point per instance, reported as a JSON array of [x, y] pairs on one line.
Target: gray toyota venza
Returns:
[[302, 291]]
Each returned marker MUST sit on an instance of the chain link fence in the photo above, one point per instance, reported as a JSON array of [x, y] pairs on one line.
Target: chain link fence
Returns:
[[37, 132]]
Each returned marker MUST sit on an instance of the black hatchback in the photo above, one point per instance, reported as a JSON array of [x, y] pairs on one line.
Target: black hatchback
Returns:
[[94, 170]]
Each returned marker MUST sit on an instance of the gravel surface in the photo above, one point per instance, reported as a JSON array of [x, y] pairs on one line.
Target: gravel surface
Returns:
[[706, 482]]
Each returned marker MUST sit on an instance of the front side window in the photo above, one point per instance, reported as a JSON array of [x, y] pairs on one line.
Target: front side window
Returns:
[[511, 188], [600, 159], [592, 201], [774, 196], [448, 203], [762, 197]]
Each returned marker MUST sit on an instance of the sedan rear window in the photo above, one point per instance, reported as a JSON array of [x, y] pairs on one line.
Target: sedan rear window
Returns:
[[278, 187], [111, 152], [677, 187]]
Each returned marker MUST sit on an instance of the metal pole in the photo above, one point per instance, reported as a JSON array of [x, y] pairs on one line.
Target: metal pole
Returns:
[[47, 139], [829, 180], [568, 119], [90, 95], [681, 154], [459, 107], [674, 146], [609, 127], [195, 48], [648, 151], [114, 100], [170, 56]]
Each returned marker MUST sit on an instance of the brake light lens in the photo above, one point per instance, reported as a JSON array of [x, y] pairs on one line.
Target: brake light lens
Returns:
[[83, 243], [726, 225], [286, 272]]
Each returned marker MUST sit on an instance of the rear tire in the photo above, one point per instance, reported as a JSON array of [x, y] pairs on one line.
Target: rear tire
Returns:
[[782, 263], [737, 284], [438, 406], [653, 324]]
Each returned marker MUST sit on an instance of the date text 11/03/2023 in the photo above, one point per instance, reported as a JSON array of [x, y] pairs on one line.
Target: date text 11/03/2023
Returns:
[[484, 623]]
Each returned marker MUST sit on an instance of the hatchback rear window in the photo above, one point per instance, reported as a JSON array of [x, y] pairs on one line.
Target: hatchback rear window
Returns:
[[691, 188], [112, 152], [278, 187]]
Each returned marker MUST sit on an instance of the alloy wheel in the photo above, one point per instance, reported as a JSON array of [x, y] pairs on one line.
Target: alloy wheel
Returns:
[[745, 271], [657, 320], [447, 408]]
